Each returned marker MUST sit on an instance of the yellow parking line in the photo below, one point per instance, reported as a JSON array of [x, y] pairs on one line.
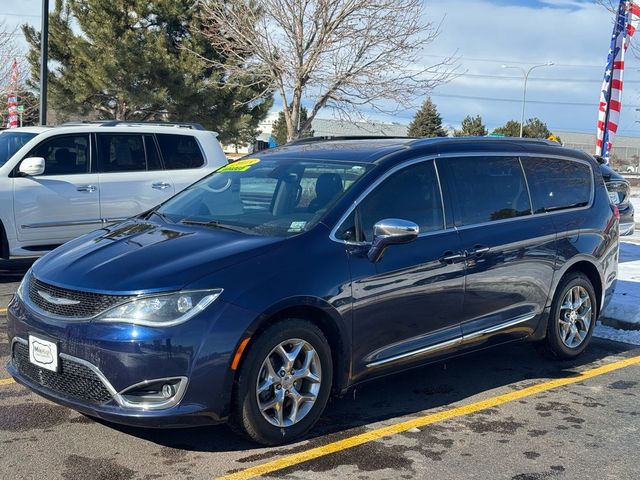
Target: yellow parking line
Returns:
[[429, 419], [7, 381]]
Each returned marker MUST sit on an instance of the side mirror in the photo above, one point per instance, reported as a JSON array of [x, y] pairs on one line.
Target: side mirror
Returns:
[[391, 231], [32, 166]]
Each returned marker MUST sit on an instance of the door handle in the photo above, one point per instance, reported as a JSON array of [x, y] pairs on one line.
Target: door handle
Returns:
[[477, 251], [449, 257], [161, 185], [86, 188]]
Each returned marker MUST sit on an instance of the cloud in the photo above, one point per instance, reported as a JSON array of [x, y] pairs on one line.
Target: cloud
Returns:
[[573, 34]]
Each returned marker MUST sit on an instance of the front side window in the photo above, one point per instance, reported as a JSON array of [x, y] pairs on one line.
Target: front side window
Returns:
[[64, 155], [485, 189], [180, 151], [410, 194], [557, 184], [263, 196], [11, 142]]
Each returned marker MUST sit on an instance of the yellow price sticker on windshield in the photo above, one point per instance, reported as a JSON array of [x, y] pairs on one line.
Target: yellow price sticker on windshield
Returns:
[[240, 165]]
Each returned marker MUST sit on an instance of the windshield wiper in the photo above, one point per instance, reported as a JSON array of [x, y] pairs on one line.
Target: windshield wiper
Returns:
[[215, 224]]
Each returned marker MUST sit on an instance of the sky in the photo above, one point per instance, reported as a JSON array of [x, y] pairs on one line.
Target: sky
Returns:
[[485, 34]]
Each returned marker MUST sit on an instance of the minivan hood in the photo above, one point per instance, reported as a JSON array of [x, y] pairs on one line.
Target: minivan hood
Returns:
[[143, 256]]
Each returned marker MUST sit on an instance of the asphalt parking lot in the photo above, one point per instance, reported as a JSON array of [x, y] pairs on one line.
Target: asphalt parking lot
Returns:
[[506, 413]]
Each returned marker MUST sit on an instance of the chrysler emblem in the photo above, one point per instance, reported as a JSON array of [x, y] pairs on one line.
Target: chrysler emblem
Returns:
[[57, 300]]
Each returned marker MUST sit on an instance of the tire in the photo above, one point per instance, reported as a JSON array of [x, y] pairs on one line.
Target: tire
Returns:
[[562, 319], [270, 428]]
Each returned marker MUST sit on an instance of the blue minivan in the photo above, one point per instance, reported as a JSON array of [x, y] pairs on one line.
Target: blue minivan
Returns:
[[300, 272]]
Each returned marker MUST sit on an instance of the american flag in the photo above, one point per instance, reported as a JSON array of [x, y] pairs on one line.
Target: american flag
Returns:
[[611, 93]]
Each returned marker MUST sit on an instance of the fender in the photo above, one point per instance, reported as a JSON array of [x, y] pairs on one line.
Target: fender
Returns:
[[564, 268], [338, 322]]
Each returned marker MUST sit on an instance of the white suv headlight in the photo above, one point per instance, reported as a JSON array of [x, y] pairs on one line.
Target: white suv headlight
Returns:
[[162, 310]]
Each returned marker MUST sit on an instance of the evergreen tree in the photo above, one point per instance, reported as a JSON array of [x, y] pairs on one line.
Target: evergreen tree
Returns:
[[536, 128], [279, 132], [427, 122], [471, 127], [140, 60], [533, 128], [509, 129]]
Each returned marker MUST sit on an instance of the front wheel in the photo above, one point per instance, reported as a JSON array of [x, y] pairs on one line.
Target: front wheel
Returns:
[[283, 384], [572, 317]]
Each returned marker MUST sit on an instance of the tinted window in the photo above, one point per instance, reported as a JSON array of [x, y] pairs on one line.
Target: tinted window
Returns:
[[11, 142], [556, 184], [121, 153], [180, 151], [411, 194], [153, 158], [485, 189], [64, 155]]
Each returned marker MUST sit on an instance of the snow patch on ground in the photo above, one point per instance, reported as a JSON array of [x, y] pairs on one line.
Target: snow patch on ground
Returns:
[[626, 336], [625, 303], [636, 207]]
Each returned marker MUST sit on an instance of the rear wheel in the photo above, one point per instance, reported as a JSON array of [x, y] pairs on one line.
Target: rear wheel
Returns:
[[284, 383], [572, 317]]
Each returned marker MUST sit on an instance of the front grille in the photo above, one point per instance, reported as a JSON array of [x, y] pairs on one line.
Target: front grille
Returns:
[[74, 380], [89, 304]]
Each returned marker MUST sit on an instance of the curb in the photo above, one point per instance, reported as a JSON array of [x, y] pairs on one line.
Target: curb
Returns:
[[619, 324]]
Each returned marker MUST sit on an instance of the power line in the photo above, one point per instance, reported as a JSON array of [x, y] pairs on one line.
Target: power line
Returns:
[[545, 79], [19, 15], [519, 62], [516, 100]]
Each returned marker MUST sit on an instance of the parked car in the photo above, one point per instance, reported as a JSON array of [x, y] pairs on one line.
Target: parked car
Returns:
[[620, 194], [59, 183], [306, 270]]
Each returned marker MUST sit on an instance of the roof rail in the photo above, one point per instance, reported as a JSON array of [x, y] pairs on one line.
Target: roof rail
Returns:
[[115, 123], [329, 138]]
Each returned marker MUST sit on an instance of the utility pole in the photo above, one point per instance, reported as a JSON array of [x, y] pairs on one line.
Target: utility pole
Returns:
[[524, 93], [44, 61]]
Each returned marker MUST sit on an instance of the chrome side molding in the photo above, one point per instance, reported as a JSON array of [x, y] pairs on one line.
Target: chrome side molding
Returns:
[[454, 342]]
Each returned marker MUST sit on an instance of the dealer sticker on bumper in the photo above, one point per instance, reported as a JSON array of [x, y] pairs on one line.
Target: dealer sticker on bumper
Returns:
[[43, 353]]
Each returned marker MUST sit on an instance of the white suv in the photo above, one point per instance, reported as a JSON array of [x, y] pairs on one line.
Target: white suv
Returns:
[[59, 183]]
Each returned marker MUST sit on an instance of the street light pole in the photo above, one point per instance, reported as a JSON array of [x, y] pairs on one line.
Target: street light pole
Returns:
[[44, 61], [525, 73]]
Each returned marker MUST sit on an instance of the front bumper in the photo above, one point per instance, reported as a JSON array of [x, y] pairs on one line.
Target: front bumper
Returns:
[[122, 355]]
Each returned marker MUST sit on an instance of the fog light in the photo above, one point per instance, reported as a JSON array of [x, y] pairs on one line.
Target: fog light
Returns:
[[150, 394], [168, 390]]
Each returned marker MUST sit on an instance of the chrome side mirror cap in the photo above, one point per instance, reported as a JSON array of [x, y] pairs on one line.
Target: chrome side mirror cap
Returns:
[[391, 231], [32, 166]]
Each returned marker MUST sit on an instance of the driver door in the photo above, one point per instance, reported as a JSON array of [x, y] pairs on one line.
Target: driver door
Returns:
[[63, 202], [407, 306]]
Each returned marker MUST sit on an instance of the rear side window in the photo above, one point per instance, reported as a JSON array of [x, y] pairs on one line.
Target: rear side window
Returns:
[[557, 184], [121, 153], [64, 154], [485, 189], [180, 151]]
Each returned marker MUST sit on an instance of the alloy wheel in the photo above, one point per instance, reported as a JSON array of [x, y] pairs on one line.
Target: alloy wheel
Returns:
[[289, 382], [576, 315]]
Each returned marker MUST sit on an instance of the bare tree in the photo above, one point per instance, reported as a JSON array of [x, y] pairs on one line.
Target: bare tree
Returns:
[[343, 54]]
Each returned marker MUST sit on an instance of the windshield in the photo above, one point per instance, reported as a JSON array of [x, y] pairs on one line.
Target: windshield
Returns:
[[11, 142], [264, 197]]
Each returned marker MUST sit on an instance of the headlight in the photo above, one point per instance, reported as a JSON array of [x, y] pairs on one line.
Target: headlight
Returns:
[[162, 310], [21, 293]]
